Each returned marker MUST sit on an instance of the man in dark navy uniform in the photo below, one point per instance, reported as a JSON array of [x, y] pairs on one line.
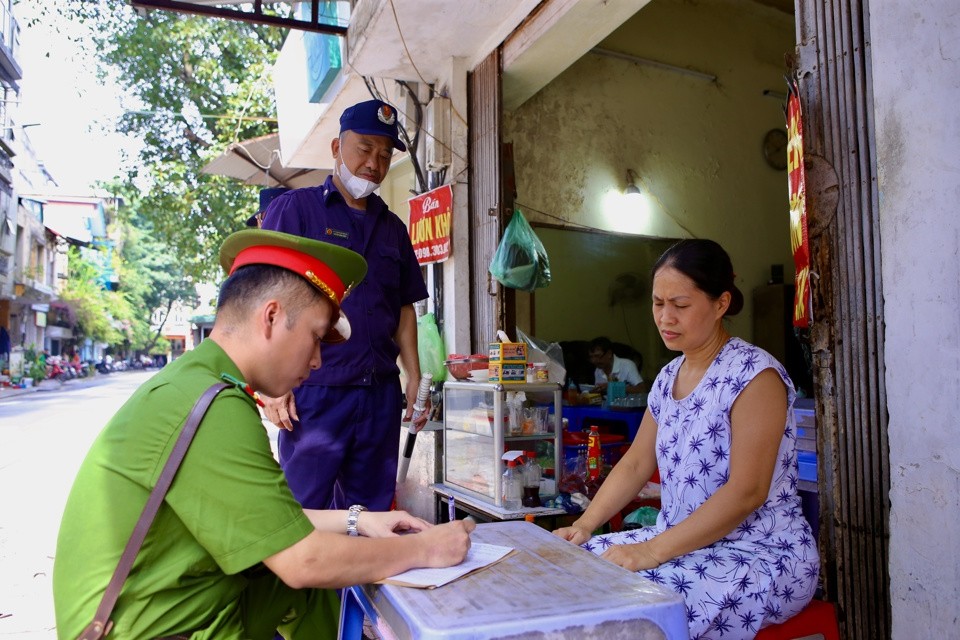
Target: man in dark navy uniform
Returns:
[[341, 439]]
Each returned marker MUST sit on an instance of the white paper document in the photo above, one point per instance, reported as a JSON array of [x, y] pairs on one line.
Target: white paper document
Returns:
[[478, 557]]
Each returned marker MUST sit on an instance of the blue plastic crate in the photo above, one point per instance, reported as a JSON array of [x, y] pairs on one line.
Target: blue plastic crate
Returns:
[[806, 439], [807, 462]]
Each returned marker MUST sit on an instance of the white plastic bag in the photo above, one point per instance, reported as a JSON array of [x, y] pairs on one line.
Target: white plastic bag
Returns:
[[549, 353]]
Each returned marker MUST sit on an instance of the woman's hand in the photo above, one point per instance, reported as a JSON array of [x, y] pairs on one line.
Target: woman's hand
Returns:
[[280, 411], [386, 524], [633, 557], [574, 533]]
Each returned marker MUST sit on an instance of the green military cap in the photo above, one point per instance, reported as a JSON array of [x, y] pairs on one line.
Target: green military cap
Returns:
[[332, 269]]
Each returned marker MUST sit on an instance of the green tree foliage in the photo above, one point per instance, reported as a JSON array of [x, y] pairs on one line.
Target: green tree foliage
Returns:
[[94, 306], [196, 84], [151, 277]]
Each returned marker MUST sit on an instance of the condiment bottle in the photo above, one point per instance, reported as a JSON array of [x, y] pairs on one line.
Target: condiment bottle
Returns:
[[594, 453], [511, 487], [531, 480]]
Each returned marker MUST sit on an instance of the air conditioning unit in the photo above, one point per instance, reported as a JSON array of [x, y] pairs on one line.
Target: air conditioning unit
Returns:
[[437, 128]]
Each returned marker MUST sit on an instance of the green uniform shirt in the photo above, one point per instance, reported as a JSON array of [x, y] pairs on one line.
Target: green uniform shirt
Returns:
[[228, 509]]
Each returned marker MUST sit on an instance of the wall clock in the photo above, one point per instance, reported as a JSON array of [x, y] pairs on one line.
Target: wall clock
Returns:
[[775, 148]]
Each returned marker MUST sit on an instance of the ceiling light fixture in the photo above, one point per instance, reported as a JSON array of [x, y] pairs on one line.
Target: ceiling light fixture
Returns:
[[632, 189]]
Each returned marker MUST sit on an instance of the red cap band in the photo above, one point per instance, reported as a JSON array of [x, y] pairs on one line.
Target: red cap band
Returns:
[[317, 272]]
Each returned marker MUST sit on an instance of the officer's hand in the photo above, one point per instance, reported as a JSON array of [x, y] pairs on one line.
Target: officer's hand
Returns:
[[446, 544], [281, 411], [385, 524]]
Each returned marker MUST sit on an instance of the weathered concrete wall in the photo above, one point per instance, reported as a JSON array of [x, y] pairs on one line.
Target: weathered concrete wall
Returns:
[[916, 72], [695, 144]]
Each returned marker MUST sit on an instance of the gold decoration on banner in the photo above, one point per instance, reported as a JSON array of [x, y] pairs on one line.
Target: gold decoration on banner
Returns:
[[799, 238]]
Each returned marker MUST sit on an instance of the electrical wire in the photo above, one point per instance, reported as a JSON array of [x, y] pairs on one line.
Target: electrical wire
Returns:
[[406, 115], [227, 116], [663, 207], [403, 41], [561, 219], [414, 144], [587, 226], [246, 104]]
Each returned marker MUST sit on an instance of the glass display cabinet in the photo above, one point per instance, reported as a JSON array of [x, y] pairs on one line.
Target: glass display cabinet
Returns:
[[482, 421]]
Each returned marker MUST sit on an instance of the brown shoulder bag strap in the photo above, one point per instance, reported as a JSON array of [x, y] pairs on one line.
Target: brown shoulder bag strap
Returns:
[[102, 624]]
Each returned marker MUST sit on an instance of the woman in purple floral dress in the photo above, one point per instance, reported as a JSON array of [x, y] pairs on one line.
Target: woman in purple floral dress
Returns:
[[731, 537]]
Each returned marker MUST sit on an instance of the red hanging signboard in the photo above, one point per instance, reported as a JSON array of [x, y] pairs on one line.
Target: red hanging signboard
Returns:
[[430, 217], [799, 242]]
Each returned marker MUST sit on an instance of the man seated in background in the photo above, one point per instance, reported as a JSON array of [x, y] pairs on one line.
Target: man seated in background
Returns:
[[610, 368]]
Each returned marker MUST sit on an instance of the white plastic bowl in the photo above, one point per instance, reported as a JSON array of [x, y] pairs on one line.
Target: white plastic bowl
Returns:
[[479, 375]]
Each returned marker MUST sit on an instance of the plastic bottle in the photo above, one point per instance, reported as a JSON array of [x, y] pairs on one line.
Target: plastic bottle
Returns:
[[594, 453], [512, 487], [531, 480], [581, 469]]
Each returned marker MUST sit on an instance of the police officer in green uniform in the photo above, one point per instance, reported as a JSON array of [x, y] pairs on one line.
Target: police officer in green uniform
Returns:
[[231, 554]]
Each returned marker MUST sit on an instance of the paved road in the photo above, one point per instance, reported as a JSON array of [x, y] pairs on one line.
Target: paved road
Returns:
[[43, 438]]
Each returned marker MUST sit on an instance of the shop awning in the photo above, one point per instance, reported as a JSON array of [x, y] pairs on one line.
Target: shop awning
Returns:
[[248, 12], [257, 161]]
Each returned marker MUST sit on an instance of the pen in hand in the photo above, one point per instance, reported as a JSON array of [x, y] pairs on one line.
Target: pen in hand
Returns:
[[452, 512]]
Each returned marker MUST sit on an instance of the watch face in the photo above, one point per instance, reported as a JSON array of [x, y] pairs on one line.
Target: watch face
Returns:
[[775, 149]]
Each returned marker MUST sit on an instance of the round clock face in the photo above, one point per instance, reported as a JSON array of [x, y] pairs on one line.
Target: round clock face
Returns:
[[775, 148]]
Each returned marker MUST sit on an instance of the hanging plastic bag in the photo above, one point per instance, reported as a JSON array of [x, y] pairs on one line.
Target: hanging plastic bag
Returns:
[[430, 347], [520, 261]]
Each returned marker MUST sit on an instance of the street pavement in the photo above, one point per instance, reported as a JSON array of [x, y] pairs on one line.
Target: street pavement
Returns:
[[44, 435]]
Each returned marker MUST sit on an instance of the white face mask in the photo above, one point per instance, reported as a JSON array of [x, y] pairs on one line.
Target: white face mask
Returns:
[[358, 188]]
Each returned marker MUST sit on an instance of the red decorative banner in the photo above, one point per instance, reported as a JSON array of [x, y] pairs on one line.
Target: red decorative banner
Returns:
[[430, 217], [797, 184]]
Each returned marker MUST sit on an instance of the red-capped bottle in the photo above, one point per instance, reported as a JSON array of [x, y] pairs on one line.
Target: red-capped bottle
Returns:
[[594, 459], [512, 487]]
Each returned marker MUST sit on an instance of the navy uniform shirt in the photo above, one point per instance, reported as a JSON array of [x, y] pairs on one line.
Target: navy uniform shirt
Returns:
[[373, 307]]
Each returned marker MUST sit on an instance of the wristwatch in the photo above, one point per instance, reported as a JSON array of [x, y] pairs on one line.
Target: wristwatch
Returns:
[[353, 514]]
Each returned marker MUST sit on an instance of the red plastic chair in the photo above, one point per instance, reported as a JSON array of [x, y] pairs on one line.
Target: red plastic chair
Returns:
[[816, 621]]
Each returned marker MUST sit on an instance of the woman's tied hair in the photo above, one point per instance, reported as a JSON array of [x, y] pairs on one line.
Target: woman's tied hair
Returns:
[[708, 265]]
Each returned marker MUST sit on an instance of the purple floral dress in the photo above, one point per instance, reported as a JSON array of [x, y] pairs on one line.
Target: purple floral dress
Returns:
[[766, 569]]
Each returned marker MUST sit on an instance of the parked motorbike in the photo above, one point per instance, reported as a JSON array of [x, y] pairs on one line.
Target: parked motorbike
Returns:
[[56, 370]]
